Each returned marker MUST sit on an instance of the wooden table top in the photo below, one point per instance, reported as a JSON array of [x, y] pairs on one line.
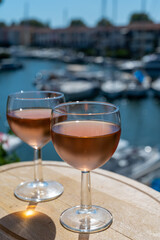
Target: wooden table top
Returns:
[[135, 207]]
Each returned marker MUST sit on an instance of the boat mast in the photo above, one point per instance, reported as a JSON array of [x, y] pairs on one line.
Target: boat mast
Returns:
[[143, 6], [114, 11], [65, 17], [103, 8], [142, 42], [114, 20], [26, 25]]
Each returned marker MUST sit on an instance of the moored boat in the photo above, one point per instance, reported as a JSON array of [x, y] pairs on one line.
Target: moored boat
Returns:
[[139, 85], [79, 89], [130, 66], [155, 86], [113, 89], [10, 64], [151, 61], [134, 162], [136, 91], [151, 64]]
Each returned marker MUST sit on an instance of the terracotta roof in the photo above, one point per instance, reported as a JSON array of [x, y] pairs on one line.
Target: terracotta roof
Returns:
[[143, 26], [135, 26]]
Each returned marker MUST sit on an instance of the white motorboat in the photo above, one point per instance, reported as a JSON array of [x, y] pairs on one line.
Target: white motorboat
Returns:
[[113, 89], [10, 64], [151, 61], [155, 86], [130, 66], [136, 91], [74, 68], [78, 89], [139, 85], [134, 162]]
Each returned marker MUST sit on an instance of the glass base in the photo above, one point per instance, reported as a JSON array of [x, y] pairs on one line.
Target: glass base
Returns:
[[38, 191], [86, 220]]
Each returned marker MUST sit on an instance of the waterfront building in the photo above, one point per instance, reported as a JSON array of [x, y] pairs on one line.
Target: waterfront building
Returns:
[[3, 36], [142, 38], [138, 39]]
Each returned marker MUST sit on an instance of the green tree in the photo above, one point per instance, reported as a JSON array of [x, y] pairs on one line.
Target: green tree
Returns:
[[13, 23], [6, 158], [77, 23], [104, 22], [2, 24], [140, 17], [33, 23]]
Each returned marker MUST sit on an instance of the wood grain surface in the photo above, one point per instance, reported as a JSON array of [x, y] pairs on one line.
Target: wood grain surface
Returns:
[[135, 207]]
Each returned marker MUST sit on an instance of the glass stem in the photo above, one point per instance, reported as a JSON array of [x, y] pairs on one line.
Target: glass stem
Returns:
[[85, 190], [38, 176]]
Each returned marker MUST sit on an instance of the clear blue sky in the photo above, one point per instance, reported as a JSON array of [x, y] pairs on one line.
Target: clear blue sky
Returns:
[[59, 12]]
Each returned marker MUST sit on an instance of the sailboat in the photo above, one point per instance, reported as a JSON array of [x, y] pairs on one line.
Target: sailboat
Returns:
[[139, 86]]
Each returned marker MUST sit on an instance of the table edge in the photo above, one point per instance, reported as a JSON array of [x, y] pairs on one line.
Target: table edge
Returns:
[[117, 177]]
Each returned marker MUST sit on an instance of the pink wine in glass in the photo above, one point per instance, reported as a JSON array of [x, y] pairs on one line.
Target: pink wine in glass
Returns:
[[31, 125], [85, 145]]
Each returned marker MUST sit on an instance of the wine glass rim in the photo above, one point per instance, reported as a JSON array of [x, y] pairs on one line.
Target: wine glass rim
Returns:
[[15, 95], [57, 110]]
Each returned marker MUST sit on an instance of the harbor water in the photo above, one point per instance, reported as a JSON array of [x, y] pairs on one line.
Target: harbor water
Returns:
[[140, 117]]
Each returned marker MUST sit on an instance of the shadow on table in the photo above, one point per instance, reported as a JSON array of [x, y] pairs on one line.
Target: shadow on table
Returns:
[[28, 224], [83, 236]]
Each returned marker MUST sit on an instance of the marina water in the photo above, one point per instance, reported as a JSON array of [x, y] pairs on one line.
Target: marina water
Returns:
[[140, 117]]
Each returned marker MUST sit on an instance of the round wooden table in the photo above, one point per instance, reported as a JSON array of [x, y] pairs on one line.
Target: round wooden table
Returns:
[[135, 207]]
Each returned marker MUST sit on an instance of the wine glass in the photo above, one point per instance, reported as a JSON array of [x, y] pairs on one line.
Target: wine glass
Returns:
[[85, 135], [28, 115]]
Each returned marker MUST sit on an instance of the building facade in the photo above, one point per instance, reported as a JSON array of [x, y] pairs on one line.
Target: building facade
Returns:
[[138, 39]]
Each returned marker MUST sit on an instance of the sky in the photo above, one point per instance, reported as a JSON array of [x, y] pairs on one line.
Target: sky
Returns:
[[59, 13]]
